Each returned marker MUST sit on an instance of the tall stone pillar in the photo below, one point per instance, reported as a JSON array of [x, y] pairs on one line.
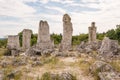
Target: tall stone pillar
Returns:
[[92, 32], [44, 41], [26, 38], [67, 34]]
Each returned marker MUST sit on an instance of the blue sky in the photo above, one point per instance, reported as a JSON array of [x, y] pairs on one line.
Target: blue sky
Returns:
[[16, 15]]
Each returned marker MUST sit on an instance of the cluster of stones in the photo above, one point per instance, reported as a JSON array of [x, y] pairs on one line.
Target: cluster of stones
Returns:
[[14, 44], [45, 45], [104, 70], [106, 48]]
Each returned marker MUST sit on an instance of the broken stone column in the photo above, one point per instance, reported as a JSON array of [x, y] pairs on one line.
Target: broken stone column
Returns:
[[92, 32], [67, 34], [26, 38], [43, 32], [44, 42], [13, 44]]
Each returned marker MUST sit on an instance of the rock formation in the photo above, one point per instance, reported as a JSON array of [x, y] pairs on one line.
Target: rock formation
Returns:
[[44, 44], [89, 47], [109, 48], [104, 71], [44, 41], [13, 44], [67, 34], [92, 32], [26, 38]]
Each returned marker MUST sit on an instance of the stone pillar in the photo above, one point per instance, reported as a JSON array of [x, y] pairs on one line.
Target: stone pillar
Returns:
[[44, 41], [13, 42], [67, 34], [43, 32], [92, 32], [26, 38]]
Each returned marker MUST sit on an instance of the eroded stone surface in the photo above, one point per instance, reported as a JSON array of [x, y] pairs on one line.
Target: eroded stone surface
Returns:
[[44, 41], [26, 38], [67, 33], [13, 42], [109, 48], [44, 44], [92, 32]]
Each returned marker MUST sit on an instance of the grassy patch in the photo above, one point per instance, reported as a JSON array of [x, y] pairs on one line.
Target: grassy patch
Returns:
[[116, 65], [84, 64], [2, 51], [49, 76]]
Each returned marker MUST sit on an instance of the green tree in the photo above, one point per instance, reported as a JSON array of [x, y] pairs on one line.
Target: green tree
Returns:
[[3, 43], [111, 34], [117, 33], [100, 36], [20, 38], [33, 39], [56, 38]]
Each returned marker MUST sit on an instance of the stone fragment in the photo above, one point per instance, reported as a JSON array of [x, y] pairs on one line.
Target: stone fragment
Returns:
[[109, 76], [1, 74], [109, 48], [100, 66], [60, 76]]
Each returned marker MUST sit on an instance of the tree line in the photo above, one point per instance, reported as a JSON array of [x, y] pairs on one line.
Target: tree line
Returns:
[[113, 34]]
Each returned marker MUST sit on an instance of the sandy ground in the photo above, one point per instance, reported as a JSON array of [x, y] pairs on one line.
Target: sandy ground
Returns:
[[72, 69]]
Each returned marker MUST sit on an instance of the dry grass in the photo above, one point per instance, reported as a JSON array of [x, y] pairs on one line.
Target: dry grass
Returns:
[[2, 50], [116, 65]]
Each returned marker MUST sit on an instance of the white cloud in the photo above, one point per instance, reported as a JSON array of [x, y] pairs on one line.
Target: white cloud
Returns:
[[89, 1], [28, 0], [44, 1], [56, 8], [106, 17], [15, 8], [64, 1]]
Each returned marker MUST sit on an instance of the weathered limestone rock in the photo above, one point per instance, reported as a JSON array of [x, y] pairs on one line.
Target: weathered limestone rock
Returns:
[[109, 76], [109, 48], [1, 75], [104, 70], [101, 66], [89, 47], [44, 44], [67, 34], [44, 41], [92, 32], [59, 76], [43, 32], [26, 38], [13, 42]]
